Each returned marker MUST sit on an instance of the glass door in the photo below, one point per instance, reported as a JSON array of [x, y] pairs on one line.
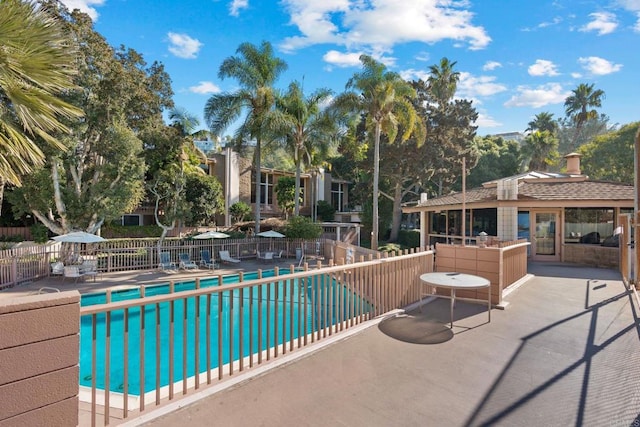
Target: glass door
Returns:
[[545, 241]]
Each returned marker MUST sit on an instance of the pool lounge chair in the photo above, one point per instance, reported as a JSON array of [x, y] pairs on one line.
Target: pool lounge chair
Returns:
[[205, 259], [225, 257], [278, 255], [186, 263], [165, 262]]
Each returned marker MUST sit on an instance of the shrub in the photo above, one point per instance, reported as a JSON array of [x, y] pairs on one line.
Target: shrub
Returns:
[[300, 227], [39, 233], [240, 211], [409, 238], [326, 211]]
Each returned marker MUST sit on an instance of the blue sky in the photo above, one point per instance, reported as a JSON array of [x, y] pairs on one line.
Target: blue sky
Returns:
[[516, 58]]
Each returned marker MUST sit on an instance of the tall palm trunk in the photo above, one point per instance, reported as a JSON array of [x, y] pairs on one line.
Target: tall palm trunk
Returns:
[[296, 209], [256, 215], [397, 213], [376, 177]]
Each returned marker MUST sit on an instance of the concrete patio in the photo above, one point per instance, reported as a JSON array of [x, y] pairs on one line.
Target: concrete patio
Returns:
[[564, 352]]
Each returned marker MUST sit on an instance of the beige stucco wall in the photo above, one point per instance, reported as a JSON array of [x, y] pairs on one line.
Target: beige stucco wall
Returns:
[[39, 350]]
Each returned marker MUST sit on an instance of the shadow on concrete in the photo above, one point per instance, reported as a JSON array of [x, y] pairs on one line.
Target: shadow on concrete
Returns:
[[589, 380], [415, 329]]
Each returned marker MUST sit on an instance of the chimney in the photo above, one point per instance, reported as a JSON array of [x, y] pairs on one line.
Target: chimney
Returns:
[[573, 163]]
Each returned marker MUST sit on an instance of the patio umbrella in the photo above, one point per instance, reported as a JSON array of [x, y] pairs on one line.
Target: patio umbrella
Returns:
[[211, 235], [78, 237], [270, 233]]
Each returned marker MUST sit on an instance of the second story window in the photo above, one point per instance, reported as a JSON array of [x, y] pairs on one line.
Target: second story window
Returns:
[[337, 195], [266, 189]]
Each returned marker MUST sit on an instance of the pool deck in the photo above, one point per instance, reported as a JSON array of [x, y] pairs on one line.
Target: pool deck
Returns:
[[124, 279], [564, 352]]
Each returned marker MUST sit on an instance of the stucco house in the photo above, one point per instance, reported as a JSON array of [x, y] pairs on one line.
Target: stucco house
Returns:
[[561, 214], [236, 175]]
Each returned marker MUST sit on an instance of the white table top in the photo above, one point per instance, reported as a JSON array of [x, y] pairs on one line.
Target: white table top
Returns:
[[455, 280]]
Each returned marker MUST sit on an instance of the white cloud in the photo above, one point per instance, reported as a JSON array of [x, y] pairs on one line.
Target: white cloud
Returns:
[[84, 6], [380, 25], [470, 86], [486, 121], [542, 67], [184, 46], [236, 5], [491, 65], [340, 59], [204, 88], [603, 23], [599, 66], [412, 74], [551, 93], [423, 56], [576, 75]]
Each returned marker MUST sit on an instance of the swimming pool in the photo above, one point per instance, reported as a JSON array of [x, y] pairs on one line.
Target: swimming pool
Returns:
[[296, 314]]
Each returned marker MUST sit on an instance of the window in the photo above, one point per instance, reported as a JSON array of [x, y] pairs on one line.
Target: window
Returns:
[[131, 220], [266, 189], [337, 196], [484, 220], [587, 225]]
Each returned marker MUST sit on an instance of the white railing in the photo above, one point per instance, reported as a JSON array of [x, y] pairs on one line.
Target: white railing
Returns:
[[180, 341]]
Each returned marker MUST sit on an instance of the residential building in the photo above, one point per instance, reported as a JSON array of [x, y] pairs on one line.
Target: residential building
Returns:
[[556, 212]]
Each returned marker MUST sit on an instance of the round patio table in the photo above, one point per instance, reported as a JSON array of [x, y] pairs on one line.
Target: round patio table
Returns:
[[453, 281]]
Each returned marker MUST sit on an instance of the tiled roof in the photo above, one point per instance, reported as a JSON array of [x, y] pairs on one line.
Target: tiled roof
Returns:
[[543, 190]]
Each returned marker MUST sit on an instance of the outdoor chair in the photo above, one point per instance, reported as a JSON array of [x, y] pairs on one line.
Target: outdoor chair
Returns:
[[226, 257], [72, 271], [265, 256], [278, 255], [186, 263], [205, 259], [165, 262]]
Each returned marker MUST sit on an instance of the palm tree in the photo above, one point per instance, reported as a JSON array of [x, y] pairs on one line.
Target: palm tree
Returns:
[[34, 69], [577, 107], [541, 122], [306, 126], [256, 70], [385, 98], [186, 123], [443, 81]]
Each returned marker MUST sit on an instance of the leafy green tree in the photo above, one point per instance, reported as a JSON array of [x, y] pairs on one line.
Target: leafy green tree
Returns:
[[306, 126], [239, 211], [285, 190], [301, 227], [36, 67], [569, 139], [541, 122], [101, 175], [609, 157], [385, 98], [499, 158], [581, 106], [256, 69], [204, 195]]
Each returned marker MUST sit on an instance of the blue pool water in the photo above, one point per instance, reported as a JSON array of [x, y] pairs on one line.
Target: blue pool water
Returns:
[[314, 294]]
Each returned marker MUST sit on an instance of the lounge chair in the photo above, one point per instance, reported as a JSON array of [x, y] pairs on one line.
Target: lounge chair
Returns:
[[205, 259], [266, 256], [278, 255], [186, 263], [165, 262], [225, 257]]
